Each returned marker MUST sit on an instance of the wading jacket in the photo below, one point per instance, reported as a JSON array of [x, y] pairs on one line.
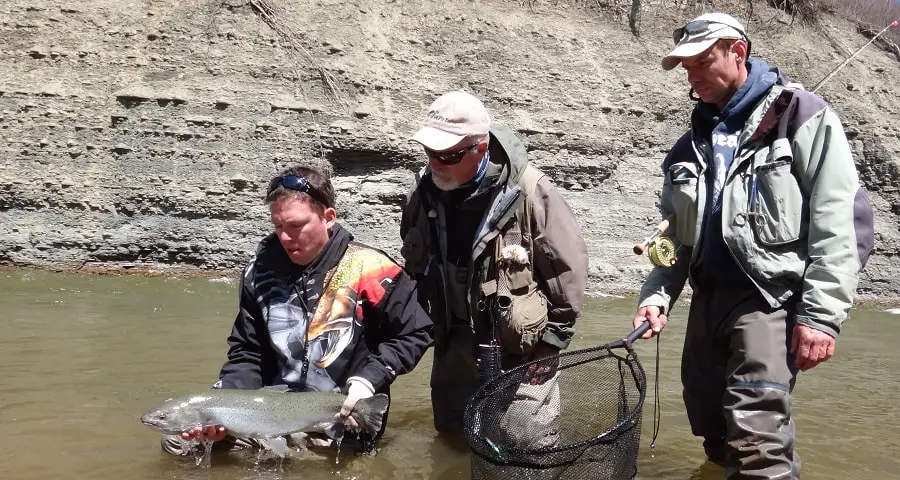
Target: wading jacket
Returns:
[[794, 216]]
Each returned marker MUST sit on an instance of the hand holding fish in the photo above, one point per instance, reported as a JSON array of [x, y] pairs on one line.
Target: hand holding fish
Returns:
[[359, 388], [208, 433], [269, 413]]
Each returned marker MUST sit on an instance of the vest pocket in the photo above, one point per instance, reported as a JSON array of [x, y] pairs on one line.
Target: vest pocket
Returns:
[[683, 179], [523, 319], [776, 204], [520, 307]]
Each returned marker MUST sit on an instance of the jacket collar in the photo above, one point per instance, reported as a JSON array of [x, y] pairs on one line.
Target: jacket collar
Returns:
[[761, 110], [270, 255]]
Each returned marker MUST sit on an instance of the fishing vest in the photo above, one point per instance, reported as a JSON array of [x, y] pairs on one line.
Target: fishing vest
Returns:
[[502, 298]]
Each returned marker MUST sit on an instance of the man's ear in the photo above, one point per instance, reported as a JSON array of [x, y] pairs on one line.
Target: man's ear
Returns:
[[740, 49], [482, 145], [330, 216]]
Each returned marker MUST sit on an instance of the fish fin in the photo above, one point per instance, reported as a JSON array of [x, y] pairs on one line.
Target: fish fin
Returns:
[[369, 412], [335, 431], [277, 388], [278, 445]]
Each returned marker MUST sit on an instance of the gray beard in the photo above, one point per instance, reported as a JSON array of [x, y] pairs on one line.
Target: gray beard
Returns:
[[443, 185]]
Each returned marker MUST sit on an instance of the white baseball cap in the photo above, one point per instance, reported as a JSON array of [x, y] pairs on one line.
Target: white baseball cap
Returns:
[[452, 117], [700, 34]]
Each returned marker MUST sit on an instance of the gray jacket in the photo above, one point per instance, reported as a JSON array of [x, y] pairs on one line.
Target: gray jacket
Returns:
[[794, 214]]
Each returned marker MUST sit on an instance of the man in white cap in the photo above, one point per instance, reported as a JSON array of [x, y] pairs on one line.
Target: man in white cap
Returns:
[[772, 228], [479, 200]]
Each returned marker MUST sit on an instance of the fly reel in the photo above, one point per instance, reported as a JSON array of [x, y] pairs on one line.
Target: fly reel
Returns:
[[660, 249], [662, 252]]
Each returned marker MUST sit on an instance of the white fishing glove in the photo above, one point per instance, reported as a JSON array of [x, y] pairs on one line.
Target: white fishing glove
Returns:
[[359, 388]]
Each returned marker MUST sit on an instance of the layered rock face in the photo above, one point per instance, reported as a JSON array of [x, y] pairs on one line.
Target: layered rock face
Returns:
[[143, 133]]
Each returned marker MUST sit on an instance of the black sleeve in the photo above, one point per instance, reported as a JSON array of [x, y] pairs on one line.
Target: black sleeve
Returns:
[[405, 331], [246, 344]]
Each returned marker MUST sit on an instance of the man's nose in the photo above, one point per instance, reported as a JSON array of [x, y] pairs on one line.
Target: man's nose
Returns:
[[693, 75]]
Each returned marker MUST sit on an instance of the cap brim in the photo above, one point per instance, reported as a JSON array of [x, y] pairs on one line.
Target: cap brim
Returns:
[[437, 140], [686, 50]]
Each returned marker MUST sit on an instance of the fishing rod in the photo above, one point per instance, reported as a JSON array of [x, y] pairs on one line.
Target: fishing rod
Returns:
[[848, 60]]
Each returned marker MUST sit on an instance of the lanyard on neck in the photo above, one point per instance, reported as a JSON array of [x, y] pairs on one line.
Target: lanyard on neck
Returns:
[[307, 317]]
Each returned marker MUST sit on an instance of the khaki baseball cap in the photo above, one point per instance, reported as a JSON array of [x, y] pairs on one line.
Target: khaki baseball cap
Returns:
[[700, 34], [452, 117]]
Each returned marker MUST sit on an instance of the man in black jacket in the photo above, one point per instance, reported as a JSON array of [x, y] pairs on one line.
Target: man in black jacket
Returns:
[[318, 311]]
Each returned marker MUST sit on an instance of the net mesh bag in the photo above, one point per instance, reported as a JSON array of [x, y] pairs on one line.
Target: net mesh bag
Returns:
[[581, 421]]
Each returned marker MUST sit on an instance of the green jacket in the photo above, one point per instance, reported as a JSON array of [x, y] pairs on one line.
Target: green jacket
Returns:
[[558, 251], [794, 214]]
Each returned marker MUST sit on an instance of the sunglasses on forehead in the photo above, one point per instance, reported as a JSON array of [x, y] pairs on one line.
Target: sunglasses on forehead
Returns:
[[703, 26], [449, 158], [296, 183]]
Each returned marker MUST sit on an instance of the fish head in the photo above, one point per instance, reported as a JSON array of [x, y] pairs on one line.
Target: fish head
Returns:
[[336, 332], [175, 415]]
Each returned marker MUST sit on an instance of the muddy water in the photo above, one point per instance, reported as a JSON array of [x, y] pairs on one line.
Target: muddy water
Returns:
[[82, 357]]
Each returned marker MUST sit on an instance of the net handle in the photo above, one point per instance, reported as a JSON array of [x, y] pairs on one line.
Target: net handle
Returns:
[[634, 335]]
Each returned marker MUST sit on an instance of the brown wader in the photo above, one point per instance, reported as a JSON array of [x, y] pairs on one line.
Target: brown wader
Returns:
[[738, 375]]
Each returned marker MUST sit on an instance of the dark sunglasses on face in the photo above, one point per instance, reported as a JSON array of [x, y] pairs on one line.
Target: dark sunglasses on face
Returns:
[[449, 158], [297, 183]]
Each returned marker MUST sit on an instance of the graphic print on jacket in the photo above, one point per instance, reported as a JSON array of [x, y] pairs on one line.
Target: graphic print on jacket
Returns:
[[314, 330]]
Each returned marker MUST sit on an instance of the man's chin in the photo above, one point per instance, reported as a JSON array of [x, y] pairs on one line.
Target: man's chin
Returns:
[[445, 185], [707, 96], [298, 258]]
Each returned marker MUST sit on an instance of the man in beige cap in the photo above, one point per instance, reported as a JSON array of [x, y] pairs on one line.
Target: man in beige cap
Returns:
[[772, 228], [477, 200]]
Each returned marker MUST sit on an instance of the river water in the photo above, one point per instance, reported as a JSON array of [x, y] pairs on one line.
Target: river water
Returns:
[[81, 357]]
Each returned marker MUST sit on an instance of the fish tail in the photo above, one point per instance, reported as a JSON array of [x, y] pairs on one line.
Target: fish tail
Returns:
[[369, 412]]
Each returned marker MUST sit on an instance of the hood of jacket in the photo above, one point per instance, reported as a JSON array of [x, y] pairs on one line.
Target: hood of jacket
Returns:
[[508, 159], [760, 78]]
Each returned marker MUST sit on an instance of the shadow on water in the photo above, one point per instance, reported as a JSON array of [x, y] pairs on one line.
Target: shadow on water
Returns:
[[82, 357]]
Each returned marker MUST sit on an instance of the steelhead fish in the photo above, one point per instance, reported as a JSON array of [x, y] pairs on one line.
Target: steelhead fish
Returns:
[[269, 413]]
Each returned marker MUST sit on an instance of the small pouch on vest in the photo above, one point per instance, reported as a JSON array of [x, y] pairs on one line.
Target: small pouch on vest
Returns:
[[524, 319], [522, 308]]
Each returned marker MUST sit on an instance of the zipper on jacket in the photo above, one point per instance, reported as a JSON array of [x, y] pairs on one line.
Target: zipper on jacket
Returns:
[[737, 155], [703, 150], [439, 222]]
